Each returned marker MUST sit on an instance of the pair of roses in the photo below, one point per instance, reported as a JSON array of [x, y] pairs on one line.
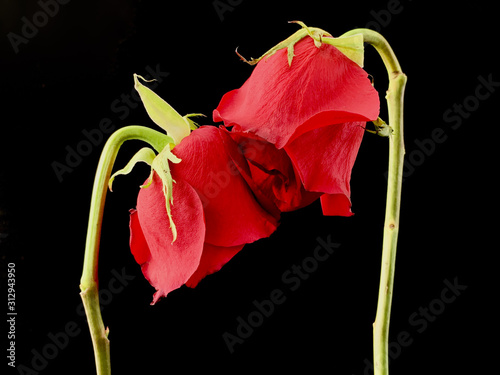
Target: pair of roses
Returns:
[[290, 135]]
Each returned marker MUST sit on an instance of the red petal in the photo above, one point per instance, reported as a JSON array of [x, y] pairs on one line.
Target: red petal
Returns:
[[273, 172], [280, 102], [324, 158], [232, 214], [336, 204], [239, 158], [167, 265], [212, 260], [138, 244]]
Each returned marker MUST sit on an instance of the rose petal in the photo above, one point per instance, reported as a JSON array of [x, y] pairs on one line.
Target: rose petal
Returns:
[[232, 214], [212, 260], [336, 204], [138, 244], [167, 265], [280, 102], [273, 172], [324, 159], [244, 166]]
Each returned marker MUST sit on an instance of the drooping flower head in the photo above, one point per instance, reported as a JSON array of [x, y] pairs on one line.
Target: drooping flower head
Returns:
[[309, 96], [196, 209]]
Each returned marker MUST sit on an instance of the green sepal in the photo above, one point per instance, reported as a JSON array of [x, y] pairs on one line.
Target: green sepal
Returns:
[[351, 46], [381, 128], [160, 141], [161, 166], [161, 112], [193, 125], [145, 155], [290, 42]]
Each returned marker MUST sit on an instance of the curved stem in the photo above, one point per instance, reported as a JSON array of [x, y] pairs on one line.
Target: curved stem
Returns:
[[89, 283], [395, 94]]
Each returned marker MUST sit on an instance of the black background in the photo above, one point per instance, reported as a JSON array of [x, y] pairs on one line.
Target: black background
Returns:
[[65, 79]]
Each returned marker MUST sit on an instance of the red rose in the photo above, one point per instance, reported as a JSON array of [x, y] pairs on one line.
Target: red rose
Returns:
[[214, 210], [314, 109], [273, 173]]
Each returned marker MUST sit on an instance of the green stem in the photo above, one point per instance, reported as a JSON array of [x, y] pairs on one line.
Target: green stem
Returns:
[[395, 94], [89, 283]]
